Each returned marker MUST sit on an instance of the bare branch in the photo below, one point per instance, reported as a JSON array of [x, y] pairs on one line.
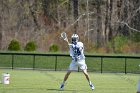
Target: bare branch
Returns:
[[78, 20], [62, 3], [129, 26], [134, 13]]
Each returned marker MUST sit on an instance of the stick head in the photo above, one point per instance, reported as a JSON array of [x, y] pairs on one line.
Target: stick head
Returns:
[[64, 36]]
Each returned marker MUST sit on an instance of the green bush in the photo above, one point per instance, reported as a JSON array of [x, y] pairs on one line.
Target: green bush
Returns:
[[117, 43], [54, 48], [135, 36], [30, 46], [14, 46]]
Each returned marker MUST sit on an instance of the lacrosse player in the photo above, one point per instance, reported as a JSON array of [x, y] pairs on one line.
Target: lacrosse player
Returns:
[[78, 60]]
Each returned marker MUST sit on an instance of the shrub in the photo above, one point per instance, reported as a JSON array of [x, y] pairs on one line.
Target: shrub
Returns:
[[30, 46], [54, 48], [14, 46], [117, 43], [135, 37]]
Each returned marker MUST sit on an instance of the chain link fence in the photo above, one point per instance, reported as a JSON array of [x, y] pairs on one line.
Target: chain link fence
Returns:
[[60, 62]]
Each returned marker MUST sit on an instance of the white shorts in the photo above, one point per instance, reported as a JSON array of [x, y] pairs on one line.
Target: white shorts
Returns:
[[74, 65], [138, 89]]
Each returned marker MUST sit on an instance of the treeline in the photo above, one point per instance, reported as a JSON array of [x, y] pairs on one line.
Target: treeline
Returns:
[[103, 25]]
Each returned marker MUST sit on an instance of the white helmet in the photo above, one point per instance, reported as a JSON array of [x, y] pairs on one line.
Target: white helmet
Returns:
[[75, 38]]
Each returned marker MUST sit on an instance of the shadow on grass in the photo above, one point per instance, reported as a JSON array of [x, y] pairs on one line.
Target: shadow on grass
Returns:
[[72, 90], [53, 89]]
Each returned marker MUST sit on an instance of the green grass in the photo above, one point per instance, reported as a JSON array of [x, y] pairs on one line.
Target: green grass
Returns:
[[29, 81]]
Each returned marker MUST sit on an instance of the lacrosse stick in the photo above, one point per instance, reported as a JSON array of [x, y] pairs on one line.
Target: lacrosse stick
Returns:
[[64, 36]]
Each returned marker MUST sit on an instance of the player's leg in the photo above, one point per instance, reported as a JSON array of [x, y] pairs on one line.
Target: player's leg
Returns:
[[88, 79], [72, 67], [65, 78], [83, 67], [86, 74]]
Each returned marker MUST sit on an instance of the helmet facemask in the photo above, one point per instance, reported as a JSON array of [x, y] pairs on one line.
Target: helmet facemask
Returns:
[[75, 38]]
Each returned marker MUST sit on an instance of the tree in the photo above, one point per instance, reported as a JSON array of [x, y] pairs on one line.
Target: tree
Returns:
[[110, 33], [0, 34], [75, 12], [105, 35], [1, 26], [128, 17], [33, 10], [50, 11], [99, 23], [135, 21], [96, 21]]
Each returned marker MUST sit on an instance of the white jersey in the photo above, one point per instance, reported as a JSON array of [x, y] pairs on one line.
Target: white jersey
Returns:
[[77, 51]]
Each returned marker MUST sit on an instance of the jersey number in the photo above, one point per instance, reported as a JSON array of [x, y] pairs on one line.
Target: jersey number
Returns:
[[76, 51]]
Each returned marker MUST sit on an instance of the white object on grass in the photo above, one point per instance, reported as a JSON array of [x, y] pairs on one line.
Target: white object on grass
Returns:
[[6, 78]]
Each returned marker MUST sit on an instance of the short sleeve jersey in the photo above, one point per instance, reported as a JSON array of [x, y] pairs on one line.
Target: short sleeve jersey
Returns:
[[77, 50]]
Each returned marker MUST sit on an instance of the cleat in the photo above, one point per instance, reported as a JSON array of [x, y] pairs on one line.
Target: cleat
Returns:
[[62, 87], [92, 87]]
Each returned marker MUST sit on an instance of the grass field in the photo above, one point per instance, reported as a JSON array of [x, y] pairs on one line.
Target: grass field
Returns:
[[29, 81]]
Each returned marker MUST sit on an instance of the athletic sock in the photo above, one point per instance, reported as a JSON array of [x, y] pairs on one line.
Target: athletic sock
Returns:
[[63, 82], [90, 82]]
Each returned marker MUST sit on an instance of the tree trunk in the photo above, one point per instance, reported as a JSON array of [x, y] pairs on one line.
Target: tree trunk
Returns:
[[106, 24], [99, 23], [46, 11], [75, 12], [33, 10], [0, 33], [110, 34], [1, 28]]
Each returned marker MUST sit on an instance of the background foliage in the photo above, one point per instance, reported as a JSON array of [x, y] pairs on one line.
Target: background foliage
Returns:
[[30, 46], [14, 46], [97, 22]]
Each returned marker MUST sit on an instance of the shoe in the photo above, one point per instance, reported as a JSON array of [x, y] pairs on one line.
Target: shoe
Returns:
[[62, 87], [92, 87]]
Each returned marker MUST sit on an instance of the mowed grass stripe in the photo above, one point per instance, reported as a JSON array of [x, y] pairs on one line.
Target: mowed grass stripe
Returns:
[[28, 81]]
